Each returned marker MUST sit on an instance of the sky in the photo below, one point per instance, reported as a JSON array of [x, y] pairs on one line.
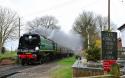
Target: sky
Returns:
[[65, 11]]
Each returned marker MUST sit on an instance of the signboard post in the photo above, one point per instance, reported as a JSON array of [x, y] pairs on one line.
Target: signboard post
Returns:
[[109, 49]]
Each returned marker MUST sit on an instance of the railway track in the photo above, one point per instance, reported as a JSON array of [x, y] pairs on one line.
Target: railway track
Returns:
[[9, 70], [29, 71]]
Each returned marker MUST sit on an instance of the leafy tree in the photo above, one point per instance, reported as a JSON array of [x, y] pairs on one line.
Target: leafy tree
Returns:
[[8, 25]]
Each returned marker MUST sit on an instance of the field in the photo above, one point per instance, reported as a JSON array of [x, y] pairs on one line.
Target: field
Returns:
[[8, 55], [65, 68]]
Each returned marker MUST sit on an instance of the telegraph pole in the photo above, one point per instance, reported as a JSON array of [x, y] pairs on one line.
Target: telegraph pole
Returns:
[[19, 27], [108, 15]]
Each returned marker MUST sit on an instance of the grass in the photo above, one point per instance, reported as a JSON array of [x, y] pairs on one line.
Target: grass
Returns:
[[65, 68], [67, 61], [8, 55]]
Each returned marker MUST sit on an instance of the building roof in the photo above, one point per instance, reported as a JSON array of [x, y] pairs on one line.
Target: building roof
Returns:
[[121, 27]]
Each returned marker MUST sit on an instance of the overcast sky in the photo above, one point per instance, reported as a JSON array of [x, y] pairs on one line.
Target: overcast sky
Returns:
[[66, 11]]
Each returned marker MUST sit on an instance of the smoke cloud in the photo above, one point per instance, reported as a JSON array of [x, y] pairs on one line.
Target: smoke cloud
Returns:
[[71, 41]]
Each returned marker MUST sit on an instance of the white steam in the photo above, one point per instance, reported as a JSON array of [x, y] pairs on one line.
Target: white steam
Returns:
[[71, 41]]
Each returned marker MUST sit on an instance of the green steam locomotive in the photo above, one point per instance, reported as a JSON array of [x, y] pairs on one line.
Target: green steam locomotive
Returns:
[[34, 48]]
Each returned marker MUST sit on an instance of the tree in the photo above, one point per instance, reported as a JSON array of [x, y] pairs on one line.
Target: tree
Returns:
[[90, 27], [45, 21], [8, 25], [102, 24], [85, 25]]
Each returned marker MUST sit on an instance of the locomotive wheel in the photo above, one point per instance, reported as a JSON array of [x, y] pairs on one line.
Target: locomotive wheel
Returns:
[[22, 62], [41, 61]]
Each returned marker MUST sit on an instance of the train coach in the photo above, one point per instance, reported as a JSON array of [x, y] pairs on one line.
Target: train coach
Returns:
[[34, 48]]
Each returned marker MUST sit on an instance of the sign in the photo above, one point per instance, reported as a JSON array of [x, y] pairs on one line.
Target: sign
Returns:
[[107, 64], [109, 45]]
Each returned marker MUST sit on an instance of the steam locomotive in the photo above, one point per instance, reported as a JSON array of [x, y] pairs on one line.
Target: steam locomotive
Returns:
[[34, 48]]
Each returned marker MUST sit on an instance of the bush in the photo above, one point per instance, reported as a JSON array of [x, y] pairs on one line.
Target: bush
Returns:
[[93, 53], [115, 70], [3, 50]]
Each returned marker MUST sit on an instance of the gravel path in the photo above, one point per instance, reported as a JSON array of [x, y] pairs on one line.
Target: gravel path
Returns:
[[40, 71], [8, 70]]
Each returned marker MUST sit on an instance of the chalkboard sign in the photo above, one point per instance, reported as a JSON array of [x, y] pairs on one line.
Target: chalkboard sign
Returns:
[[109, 45]]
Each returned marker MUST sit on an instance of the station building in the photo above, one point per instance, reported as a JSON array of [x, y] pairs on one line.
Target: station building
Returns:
[[122, 30], [121, 42]]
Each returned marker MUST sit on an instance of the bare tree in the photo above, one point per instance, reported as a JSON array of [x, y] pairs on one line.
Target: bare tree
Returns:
[[8, 25], [102, 24], [90, 26], [85, 25], [45, 21]]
